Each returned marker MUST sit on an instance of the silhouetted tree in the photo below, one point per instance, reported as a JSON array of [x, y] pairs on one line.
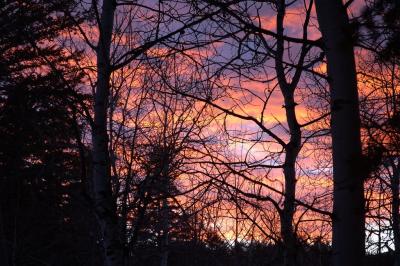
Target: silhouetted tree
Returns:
[[40, 163], [380, 28], [348, 193]]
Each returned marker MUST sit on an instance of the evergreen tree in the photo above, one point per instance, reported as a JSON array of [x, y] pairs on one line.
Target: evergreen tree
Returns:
[[381, 19], [40, 166]]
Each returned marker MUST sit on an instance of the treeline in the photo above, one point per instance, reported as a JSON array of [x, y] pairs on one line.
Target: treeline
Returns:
[[199, 132]]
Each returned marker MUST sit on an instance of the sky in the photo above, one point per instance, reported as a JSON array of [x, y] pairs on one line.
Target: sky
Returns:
[[248, 90]]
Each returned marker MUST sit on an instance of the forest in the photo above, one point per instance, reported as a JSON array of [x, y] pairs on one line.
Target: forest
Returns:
[[200, 133]]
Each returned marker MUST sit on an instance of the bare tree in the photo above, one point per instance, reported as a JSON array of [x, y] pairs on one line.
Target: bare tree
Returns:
[[125, 36], [380, 120], [256, 49]]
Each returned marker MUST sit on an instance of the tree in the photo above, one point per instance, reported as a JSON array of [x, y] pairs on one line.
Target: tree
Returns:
[[348, 195], [262, 57], [380, 32], [380, 123], [41, 178], [153, 143], [123, 41], [104, 204], [380, 35]]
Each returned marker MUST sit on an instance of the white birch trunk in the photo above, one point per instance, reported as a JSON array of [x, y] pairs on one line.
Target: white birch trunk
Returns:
[[105, 207], [348, 196], [395, 182]]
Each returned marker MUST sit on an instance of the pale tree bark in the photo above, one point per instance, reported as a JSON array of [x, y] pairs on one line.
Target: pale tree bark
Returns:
[[165, 229], [348, 196], [395, 182], [165, 187], [104, 204]]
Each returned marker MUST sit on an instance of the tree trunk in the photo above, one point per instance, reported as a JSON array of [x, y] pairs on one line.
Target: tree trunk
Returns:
[[165, 229], [292, 148], [288, 236], [395, 212], [348, 195], [105, 207]]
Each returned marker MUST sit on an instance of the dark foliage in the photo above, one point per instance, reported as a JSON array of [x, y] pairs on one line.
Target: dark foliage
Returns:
[[45, 208], [381, 19], [41, 212]]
